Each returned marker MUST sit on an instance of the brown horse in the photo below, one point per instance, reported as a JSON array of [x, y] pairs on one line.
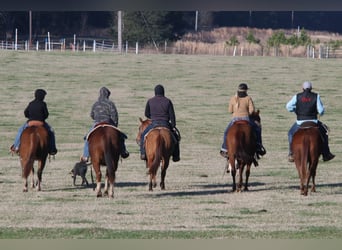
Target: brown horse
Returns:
[[307, 147], [241, 144], [159, 146], [104, 148], [33, 147]]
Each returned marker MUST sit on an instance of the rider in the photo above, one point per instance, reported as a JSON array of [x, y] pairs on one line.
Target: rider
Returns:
[[241, 106], [307, 105], [160, 110], [104, 110], [36, 111]]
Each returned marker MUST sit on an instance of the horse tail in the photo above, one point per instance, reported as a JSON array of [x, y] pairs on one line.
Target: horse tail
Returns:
[[158, 153], [108, 155], [241, 152], [305, 156]]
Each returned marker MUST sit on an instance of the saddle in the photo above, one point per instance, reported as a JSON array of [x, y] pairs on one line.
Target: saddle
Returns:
[[101, 125], [305, 125], [35, 123], [241, 122], [175, 134]]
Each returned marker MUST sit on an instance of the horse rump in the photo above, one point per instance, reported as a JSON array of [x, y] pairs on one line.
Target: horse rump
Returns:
[[307, 146]]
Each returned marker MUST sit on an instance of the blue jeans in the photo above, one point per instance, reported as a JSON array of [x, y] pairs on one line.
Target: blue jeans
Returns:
[[86, 143], [290, 134]]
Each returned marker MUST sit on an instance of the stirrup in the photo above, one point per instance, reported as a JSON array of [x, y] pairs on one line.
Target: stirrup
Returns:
[[224, 154]]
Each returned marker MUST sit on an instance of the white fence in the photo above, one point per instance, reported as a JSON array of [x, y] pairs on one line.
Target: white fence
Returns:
[[62, 44], [101, 45]]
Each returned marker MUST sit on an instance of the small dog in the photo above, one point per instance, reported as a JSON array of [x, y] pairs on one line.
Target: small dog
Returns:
[[80, 169]]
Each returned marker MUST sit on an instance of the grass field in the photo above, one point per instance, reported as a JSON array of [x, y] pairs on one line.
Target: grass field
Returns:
[[197, 202]]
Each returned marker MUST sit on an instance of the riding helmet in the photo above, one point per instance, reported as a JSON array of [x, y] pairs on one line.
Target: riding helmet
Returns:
[[242, 87]]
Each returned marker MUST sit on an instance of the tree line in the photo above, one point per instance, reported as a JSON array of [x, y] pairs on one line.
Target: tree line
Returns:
[[157, 26]]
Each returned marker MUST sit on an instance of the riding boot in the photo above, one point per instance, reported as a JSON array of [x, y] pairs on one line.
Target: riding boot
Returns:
[[52, 148], [124, 152], [260, 150], [175, 154], [327, 155], [142, 151]]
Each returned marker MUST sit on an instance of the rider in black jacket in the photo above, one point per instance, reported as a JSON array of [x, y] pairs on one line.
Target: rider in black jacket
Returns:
[[160, 110], [36, 111]]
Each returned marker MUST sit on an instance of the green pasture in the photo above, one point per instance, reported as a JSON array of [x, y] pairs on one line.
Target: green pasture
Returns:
[[198, 202]]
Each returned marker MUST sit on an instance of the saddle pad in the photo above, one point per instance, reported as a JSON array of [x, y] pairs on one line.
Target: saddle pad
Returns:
[[241, 122], [35, 123], [101, 125], [157, 127], [308, 125]]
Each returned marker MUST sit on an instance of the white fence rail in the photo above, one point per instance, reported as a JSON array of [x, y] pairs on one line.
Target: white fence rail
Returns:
[[101, 45]]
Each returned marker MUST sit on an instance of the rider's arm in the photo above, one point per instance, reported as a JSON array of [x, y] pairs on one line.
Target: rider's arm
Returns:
[[291, 105], [320, 106]]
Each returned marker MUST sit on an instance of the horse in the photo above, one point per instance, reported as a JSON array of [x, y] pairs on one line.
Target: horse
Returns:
[[306, 147], [159, 145], [33, 147], [104, 148], [241, 144]]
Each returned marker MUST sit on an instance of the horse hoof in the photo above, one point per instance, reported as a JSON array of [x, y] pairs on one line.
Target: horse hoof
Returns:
[[99, 194], [105, 193], [25, 190]]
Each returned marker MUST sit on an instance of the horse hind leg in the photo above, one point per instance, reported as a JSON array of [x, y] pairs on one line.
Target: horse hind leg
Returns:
[[239, 186], [25, 175], [41, 165], [313, 175], [152, 182], [109, 186], [25, 189], [248, 171], [163, 175], [98, 179], [162, 179], [105, 190], [33, 184]]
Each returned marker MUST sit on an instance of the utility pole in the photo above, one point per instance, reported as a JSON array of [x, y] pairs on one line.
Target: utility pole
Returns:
[[30, 30], [120, 31], [196, 20]]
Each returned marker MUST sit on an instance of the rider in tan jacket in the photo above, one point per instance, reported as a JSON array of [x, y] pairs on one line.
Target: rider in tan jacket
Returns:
[[241, 106]]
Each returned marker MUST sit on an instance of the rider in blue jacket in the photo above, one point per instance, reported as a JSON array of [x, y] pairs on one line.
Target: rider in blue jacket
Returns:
[[308, 105]]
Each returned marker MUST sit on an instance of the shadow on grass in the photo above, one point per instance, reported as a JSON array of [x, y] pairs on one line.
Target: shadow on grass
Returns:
[[93, 186], [212, 189], [318, 186]]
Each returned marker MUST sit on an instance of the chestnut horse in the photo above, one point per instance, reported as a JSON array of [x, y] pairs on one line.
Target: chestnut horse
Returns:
[[241, 144], [307, 147], [33, 147], [104, 148], [159, 145]]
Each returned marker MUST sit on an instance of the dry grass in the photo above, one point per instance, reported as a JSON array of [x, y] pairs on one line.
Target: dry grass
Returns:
[[213, 42], [197, 202]]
